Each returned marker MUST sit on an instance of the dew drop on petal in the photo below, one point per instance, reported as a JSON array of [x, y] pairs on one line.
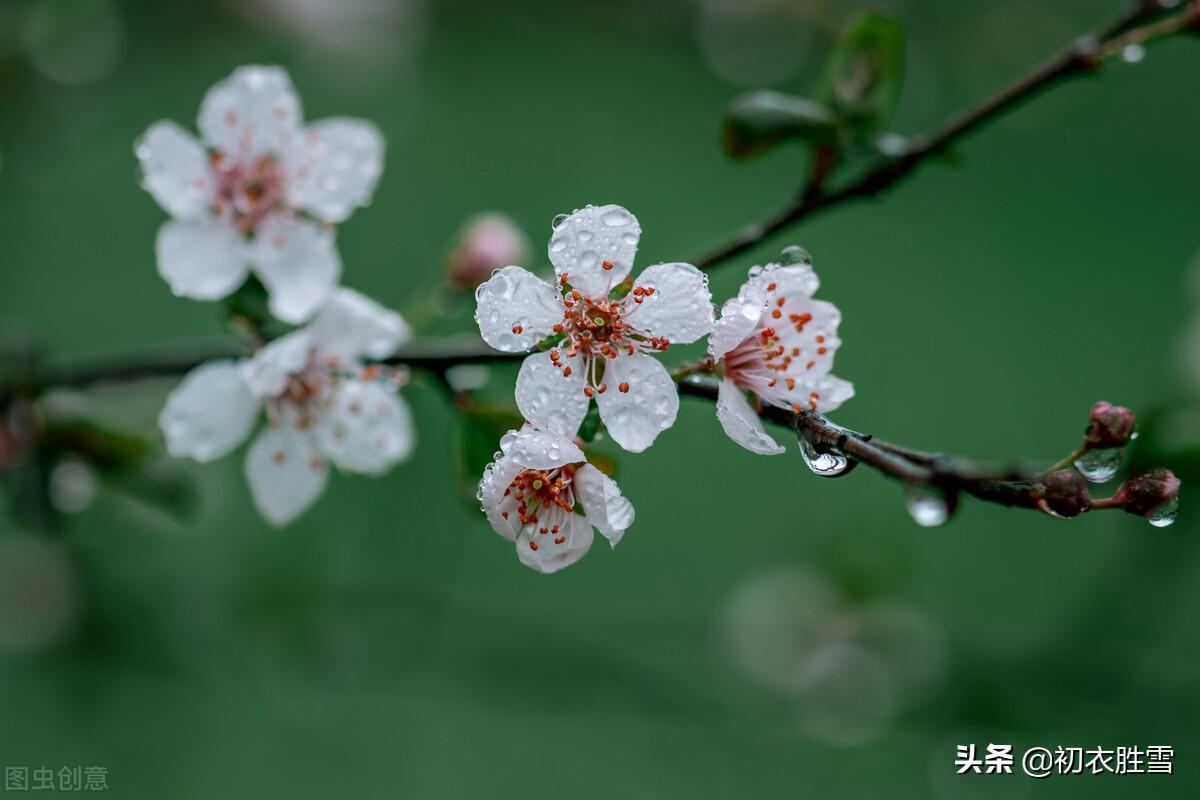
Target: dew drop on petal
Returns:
[[1165, 514], [616, 218], [1100, 464], [927, 506], [559, 220], [794, 254]]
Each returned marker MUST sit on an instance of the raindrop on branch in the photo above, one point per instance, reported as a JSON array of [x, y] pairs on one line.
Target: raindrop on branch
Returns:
[[1100, 464], [829, 464], [928, 505], [1165, 514]]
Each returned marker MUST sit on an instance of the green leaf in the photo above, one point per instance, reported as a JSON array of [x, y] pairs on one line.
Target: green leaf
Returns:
[[480, 429], [865, 72], [759, 120]]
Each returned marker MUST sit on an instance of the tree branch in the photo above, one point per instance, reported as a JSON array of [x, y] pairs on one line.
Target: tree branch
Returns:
[[1081, 57]]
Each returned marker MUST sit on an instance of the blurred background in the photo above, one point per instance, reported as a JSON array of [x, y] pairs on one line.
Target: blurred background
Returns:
[[760, 631]]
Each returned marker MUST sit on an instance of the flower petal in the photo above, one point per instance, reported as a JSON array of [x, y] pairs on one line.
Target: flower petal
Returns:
[[497, 477], [537, 449], [602, 502], [549, 400], [175, 170], [680, 307], [504, 517], [738, 320], [253, 112], [366, 428], [267, 372], [587, 239], [516, 309], [635, 417], [210, 413], [285, 474], [832, 392], [741, 424], [202, 259], [541, 551], [352, 326], [335, 167], [807, 331], [297, 261]]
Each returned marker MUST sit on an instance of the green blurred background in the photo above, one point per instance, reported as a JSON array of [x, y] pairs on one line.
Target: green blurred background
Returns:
[[760, 631]]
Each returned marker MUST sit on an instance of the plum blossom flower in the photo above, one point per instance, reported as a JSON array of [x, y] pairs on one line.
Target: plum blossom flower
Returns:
[[606, 338], [775, 341], [541, 494], [322, 401], [259, 192]]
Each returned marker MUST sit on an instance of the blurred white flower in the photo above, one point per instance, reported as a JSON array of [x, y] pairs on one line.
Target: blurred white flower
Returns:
[[541, 493], [261, 193], [774, 340], [592, 251], [323, 403], [487, 242]]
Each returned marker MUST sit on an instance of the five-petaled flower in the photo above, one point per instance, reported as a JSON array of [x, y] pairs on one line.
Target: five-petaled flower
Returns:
[[323, 403], [541, 493], [260, 193], [776, 341], [604, 338]]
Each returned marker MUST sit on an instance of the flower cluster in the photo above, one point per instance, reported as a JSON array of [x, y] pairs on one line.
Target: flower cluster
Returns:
[[595, 333], [260, 195]]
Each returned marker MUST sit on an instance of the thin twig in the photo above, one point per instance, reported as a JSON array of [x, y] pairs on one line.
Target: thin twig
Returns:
[[1081, 57]]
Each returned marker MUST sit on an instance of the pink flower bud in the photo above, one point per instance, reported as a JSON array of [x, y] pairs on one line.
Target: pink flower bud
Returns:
[[1064, 494], [487, 242], [1147, 494], [1110, 426]]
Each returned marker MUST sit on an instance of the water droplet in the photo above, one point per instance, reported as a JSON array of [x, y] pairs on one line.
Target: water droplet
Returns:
[[827, 465], [559, 220], [585, 235], [1133, 53], [1100, 464], [616, 218], [1165, 514], [794, 254], [927, 505]]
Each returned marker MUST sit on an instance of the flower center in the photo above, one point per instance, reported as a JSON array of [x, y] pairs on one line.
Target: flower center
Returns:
[[247, 192], [538, 492]]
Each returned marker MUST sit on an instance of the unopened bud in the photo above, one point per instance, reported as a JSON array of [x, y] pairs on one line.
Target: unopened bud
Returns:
[[1064, 494], [1110, 426], [487, 242], [1148, 494]]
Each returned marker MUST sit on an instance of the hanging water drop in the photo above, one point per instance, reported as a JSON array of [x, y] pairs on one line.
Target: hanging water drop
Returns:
[[1165, 514], [827, 465], [928, 506], [1099, 464]]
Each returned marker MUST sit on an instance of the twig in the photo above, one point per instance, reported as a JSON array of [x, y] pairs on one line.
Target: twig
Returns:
[[1081, 57]]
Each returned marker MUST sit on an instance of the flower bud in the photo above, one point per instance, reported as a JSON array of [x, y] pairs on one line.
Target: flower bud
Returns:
[[1064, 494], [1110, 426], [487, 242], [1146, 494]]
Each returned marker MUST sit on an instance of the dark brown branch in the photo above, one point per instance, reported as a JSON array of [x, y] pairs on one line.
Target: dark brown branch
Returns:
[[1081, 57]]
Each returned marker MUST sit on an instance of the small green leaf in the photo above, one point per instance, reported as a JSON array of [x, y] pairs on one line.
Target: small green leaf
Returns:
[[480, 429], [551, 341], [865, 71], [759, 120]]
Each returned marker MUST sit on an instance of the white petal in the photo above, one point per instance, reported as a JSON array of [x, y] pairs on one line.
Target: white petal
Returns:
[[537, 449], [832, 391], [636, 417], [812, 342], [738, 320], [175, 170], [794, 279], [209, 413], [585, 240], [253, 112], [504, 518], [335, 167], [297, 261], [679, 309], [202, 259], [497, 477], [549, 400], [285, 473], [366, 428], [548, 556], [740, 422], [267, 372], [602, 502], [516, 309], [352, 326]]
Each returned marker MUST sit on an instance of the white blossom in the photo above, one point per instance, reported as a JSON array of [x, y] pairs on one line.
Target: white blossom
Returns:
[[775, 341], [604, 352], [541, 494], [323, 404], [258, 192]]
